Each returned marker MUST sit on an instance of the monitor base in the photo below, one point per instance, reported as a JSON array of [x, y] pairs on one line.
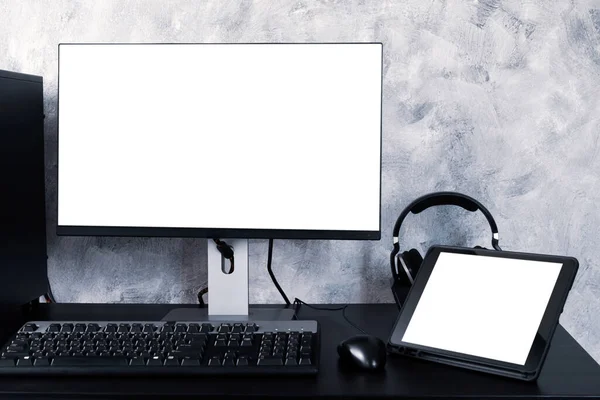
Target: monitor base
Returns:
[[254, 314]]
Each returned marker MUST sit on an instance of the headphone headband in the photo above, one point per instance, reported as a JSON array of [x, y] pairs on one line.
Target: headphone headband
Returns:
[[423, 203], [446, 198]]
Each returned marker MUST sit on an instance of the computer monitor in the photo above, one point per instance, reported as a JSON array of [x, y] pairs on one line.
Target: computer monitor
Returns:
[[220, 141]]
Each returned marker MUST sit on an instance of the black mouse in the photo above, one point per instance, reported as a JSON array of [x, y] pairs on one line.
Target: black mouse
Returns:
[[364, 352]]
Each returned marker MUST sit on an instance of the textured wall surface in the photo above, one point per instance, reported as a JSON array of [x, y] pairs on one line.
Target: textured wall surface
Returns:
[[497, 99]]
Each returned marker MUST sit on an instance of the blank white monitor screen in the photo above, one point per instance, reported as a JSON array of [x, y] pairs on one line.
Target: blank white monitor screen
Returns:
[[487, 307], [240, 136]]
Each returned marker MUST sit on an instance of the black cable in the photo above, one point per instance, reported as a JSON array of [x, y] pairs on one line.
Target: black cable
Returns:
[[200, 294], [358, 328], [226, 251], [270, 270], [342, 309], [297, 300]]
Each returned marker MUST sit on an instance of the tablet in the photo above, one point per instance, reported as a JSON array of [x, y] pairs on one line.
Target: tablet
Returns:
[[492, 311]]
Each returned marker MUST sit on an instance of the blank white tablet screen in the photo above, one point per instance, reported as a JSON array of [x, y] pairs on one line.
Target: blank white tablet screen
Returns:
[[487, 307], [265, 136]]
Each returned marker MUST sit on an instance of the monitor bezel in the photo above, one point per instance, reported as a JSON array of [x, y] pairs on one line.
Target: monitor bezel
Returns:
[[142, 231]]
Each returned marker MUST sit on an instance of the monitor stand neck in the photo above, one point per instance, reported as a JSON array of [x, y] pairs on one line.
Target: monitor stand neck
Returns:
[[228, 291]]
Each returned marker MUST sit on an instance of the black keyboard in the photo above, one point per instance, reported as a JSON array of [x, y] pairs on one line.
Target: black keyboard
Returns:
[[163, 348]]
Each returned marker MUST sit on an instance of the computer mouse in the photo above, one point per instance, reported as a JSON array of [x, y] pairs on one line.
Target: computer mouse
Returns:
[[363, 352]]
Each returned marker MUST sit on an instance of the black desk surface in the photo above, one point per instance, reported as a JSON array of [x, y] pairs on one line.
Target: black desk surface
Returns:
[[569, 372]]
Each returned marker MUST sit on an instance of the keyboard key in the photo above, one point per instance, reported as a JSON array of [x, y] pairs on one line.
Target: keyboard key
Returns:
[[247, 343], [270, 361], [67, 328], [79, 328], [172, 361], [181, 328], [124, 328], [137, 328], [195, 337], [214, 361], [230, 354], [22, 336], [14, 354], [229, 362], [251, 327], [207, 328], [17, 345], [93, 328], [41, 362], [38, 354], [291, 362], [190, 362], [30, 327], [242, 361], [193, 328], [237, 328], [88, 361], [111, 328], [26, 361], [155, 361], [193, 346], [137, 361], [305, 361], [224, 328], [279, 348], [7, 362], [149, 328]]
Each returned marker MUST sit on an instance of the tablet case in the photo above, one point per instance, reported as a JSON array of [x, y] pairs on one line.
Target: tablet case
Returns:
[[460, 362]]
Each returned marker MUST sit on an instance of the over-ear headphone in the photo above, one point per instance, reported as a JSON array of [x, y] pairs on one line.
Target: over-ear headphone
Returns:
[[405, 265]]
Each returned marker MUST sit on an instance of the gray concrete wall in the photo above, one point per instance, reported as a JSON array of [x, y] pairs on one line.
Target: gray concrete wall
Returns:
[[497, 99]]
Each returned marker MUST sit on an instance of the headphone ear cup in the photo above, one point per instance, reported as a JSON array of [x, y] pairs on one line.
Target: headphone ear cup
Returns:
[[412, 261], [403, 269], [415, 260]]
